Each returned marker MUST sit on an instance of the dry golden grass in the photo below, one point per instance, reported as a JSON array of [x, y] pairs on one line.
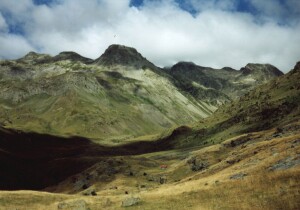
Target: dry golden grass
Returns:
[[212, 189]]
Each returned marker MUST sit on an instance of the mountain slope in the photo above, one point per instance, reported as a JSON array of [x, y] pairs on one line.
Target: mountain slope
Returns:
[[273, 104], [226, 81], [244, 156], [116, 98], [104, 99]]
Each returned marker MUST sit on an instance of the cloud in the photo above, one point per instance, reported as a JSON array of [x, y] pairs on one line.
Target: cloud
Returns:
[[203, 5], [13, 46], [216, 35], [287, 11], [3, 25]]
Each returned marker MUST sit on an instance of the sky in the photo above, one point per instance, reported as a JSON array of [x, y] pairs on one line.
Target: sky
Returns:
[[214, 33]]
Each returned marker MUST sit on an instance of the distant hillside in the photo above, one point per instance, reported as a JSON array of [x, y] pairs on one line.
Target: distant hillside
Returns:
[[271, 105], [226, 81], [119, 96], [115, 98]]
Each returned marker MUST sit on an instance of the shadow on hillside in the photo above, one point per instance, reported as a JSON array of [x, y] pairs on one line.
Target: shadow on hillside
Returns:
[[35, 161]]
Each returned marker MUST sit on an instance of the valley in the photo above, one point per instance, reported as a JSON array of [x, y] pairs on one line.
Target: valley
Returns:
[[119, 132]]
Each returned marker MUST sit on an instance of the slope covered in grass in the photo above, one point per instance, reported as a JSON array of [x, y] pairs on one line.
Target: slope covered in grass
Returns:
[[270, 105], [119, 96], [244, 156]]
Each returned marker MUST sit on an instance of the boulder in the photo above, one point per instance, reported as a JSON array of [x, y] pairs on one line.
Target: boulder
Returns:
[[73, 205], [238, 176], [131, 201], [89, 192]]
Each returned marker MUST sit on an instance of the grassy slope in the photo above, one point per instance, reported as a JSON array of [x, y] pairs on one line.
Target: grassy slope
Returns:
[[104, 100], [270, 166], [109, 105], [248, 171], [256, 138], [270, 105]]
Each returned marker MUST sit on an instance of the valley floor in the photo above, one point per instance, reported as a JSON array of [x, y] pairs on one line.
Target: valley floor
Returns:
[[253, 171]]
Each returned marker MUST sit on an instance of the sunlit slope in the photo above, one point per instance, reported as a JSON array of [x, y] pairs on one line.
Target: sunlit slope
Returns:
[[67, 95], [270, 105]]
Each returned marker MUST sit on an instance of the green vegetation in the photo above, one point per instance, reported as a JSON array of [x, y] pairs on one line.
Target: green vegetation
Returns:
[[117, 97], [238, 149], [65, 96]]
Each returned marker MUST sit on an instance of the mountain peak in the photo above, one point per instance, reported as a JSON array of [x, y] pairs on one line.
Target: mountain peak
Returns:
[[185, 63], [229, 69], [33, 57], [186, 67], [296, 68], [73, 56], [122, 48], [124, 56], [31, 54], [265, 69]]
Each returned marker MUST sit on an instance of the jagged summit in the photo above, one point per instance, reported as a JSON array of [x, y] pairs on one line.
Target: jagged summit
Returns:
[[297, 67], [229, 81], [34, 57], [229, 69], [123, 55], [263, 69], [31, 54], [187, 66], [183, 69], [73, 56]]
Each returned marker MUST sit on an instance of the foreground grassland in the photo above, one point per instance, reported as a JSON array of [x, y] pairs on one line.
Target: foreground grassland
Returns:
[[261, 172]]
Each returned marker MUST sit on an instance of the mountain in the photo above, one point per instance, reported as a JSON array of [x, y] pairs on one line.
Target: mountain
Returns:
[[103, 99], [244, 156], [124, 56], [274, 104], [72, 56], [261, 71], [116, 98], [228, 81], [191, 79]]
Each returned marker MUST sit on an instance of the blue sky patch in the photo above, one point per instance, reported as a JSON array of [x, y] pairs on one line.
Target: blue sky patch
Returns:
[[245, 6], [45, 2], [136, 3], [242, 6], [14, 27]]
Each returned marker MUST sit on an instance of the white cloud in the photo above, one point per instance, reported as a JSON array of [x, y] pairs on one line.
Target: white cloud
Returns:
[[13, 46], [3, 25], [160, 30], [18, 11]]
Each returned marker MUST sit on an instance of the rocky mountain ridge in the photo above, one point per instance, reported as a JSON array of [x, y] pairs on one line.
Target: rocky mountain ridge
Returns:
[[123, 56], [274, 104], [231, 82], [119, 96]]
